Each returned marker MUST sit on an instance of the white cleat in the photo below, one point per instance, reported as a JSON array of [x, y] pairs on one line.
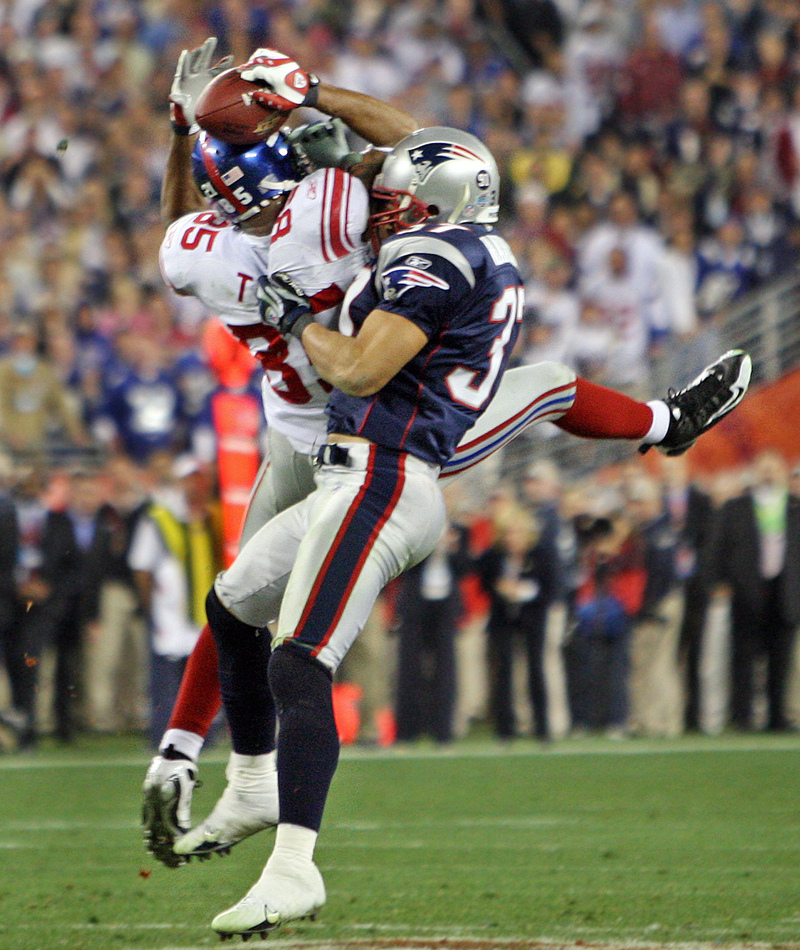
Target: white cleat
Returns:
[[166, 808], [248, 805], [284, 892]]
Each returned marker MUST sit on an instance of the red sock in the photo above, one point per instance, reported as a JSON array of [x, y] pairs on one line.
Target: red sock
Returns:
[[199, 698], [601, 413]]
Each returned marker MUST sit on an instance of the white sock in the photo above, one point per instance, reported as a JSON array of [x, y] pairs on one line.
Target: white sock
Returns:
[[293, 843], [187, 743], [660, 424]]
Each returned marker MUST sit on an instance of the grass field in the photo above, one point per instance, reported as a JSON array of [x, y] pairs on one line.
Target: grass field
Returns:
[[586, 842]]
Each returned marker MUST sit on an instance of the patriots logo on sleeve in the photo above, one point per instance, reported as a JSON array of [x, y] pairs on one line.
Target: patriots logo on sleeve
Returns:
[[426, 157], [411, 273]]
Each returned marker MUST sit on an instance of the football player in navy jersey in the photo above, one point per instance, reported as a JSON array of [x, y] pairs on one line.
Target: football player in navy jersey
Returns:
[[424, 338]]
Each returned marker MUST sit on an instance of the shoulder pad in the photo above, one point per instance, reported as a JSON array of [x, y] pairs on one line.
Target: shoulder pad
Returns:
[[423, 244]]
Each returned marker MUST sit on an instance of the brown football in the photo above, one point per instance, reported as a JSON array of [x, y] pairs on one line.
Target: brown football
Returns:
[[226, 109]]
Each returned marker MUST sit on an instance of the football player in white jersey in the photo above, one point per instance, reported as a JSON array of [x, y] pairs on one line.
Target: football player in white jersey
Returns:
[[236, 213]]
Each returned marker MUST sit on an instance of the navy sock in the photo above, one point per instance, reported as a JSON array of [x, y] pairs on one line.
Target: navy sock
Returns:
[[243, 678], [308, 744]]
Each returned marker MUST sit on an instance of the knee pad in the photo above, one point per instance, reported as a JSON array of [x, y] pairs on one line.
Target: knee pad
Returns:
[[223, 624], [297, 679]]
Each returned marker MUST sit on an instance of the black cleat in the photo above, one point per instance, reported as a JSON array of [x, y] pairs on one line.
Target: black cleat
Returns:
[[167, 797], [700, 405]]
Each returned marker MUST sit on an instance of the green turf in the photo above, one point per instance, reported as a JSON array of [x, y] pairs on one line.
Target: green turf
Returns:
[[692, 840]]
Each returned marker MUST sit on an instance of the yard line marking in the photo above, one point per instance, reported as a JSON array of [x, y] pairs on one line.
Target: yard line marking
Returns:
[[440, 939], [635, 747], [67, 824]]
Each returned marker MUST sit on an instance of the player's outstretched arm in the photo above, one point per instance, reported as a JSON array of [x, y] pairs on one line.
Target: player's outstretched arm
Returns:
[[288, 86], [194, 71], [179, 193], [377, 122], [363, 364], [359, 365]]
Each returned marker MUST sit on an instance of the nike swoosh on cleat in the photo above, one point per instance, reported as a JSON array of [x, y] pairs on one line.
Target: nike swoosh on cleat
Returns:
[[736, 397], [738, 391]]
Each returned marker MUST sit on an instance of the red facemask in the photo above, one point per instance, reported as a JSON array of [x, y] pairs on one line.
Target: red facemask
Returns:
[[395, 211]]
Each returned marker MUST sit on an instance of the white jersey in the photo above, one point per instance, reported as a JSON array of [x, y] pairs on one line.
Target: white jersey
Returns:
[[318, 240]]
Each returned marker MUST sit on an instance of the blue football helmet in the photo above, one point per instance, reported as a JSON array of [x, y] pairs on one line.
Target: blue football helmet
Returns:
[[238, 180]]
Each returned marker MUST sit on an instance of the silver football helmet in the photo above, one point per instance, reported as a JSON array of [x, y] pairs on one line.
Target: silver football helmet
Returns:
[[436, 175]]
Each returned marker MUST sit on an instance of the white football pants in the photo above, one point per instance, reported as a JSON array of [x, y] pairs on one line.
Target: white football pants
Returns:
[[333, 552]]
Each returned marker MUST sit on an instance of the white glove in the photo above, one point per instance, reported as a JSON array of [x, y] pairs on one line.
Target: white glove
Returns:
[[288, 85], [192, 74]]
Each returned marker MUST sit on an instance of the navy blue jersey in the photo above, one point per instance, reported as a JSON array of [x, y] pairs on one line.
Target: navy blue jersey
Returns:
[[460, 285]]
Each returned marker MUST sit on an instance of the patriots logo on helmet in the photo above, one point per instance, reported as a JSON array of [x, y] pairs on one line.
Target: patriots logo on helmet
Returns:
[[397, 280], [432, 154]]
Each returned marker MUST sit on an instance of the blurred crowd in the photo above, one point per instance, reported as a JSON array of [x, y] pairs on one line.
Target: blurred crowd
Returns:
[[635, 601], [649, 150], [650, 159], [639, 602]]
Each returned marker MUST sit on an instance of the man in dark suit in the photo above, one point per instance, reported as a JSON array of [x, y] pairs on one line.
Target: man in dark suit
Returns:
[[36, 544], [519, 574], [756, 552], [9, 721], [690, 512], [75, 591], [428, 609]]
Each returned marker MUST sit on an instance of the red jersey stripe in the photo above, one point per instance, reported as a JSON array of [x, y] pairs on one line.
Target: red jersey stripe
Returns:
[[334, 219], [347, 243], [216, 178], [323, 230]]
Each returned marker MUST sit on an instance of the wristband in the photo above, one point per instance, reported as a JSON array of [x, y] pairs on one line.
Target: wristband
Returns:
[[300, 324], [313, 91], [184, 130]]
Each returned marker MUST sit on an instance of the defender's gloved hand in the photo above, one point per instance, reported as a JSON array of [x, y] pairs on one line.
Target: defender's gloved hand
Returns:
[[283, 304], [324, 144]]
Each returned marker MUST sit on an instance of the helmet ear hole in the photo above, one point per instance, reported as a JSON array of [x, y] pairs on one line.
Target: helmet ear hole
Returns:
[[433, 210], [416, 214]]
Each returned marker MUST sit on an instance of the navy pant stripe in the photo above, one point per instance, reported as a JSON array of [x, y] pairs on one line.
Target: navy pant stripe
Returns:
[[368, 513]]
